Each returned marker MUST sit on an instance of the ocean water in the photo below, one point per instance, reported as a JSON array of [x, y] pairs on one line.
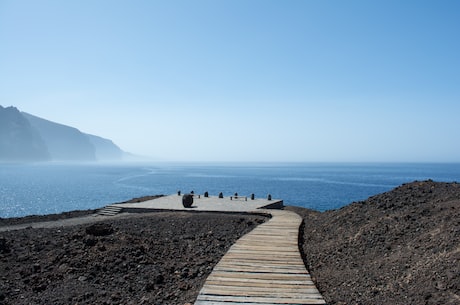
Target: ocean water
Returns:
[[53, 188]]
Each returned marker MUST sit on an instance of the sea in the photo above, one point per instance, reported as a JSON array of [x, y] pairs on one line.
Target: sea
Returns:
[[48, 188]]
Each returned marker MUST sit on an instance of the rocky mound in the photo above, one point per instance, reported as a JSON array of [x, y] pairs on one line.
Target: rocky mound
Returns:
[[400, 247], [158, 258]]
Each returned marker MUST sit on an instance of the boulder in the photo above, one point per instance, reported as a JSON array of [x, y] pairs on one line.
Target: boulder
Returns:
[[187, 200]]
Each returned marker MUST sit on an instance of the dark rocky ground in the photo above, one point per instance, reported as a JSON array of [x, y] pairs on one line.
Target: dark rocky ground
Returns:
[[400, 247], [156, 258]]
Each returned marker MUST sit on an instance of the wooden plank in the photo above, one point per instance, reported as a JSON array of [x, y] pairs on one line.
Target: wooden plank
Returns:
[[266, 289], [273, 230], [262, 269], [269, 238], [255, 281], [281, 229], [237, 260], [259, 258], [262, 243], [232, 303], [265, 244], [277, 230], [268, 292], [228, 262], [268, 252], [255, 263], [266, 249], [254, 285], [279, 300], [259, 275], [295, 279], [268, 244], [265, 281], [224, 284], [263, 256], [238, 256]]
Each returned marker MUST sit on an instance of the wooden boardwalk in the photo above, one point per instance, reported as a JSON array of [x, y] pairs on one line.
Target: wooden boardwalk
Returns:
[[264, 267]]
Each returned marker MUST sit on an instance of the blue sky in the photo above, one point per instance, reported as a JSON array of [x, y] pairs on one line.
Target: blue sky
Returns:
[[242, 80]]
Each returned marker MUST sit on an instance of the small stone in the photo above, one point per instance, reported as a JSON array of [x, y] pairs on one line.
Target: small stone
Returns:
[[82, 278]]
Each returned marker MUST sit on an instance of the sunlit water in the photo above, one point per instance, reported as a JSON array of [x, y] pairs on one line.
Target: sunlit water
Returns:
[[54, 188]]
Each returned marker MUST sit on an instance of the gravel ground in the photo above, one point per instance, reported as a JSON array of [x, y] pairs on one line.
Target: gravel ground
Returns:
[[158, 258], [400, 247]]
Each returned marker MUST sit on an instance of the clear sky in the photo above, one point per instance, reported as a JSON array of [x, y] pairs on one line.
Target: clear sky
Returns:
[[242, 80]]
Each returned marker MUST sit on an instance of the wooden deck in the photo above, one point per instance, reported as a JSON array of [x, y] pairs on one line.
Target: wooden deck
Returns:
[[264, 267]]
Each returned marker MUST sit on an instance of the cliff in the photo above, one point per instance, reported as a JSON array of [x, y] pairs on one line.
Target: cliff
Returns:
[[19, 141], [25, 137]]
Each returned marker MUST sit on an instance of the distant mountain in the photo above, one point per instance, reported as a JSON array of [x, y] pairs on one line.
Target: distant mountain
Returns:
[[105, 148], [64, 143], [19, 141], [25, 137]]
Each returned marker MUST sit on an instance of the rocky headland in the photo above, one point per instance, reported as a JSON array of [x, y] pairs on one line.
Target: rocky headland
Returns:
[[400, 247]]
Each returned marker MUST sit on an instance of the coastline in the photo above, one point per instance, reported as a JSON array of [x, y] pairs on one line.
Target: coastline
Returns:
[[397, 247]]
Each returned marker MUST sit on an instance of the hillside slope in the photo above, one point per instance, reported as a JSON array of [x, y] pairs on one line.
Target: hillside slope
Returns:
[[19, 141], [400, 247], [64, 143], [105, 149]]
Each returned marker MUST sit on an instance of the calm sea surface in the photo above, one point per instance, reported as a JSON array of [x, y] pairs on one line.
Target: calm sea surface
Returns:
[[54, 188]]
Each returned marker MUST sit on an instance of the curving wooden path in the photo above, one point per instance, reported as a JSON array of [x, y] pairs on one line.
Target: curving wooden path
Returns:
[[264, 267]]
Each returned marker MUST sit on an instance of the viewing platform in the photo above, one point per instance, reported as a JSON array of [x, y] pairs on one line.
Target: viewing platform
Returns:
[[202, 203]]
